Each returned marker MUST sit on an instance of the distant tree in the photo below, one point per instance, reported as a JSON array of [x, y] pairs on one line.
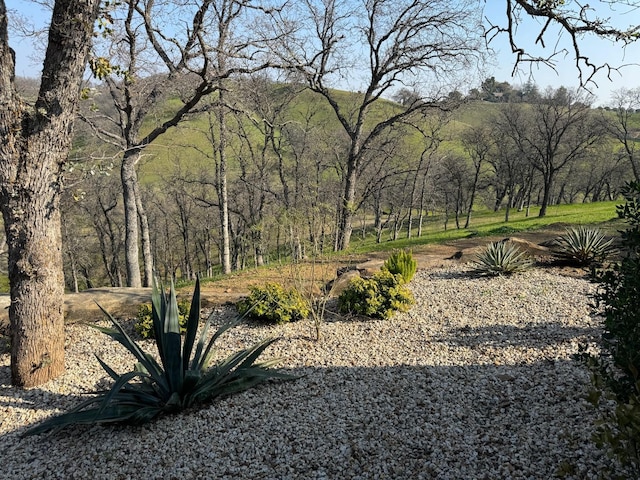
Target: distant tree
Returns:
[[552, 133], [400, 38], [511, 168], [494, 91], [478, 143], [454, 183], [625, 103], [406, 96]]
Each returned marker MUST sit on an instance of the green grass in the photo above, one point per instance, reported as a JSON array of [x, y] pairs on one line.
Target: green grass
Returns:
[[488, 223]]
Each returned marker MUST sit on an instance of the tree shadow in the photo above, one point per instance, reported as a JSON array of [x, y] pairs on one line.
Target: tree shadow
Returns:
[[530, 335], [400, 421]]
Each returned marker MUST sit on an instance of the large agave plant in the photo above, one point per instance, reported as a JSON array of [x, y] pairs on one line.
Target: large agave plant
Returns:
[[182, 378], [583, 245], [502, 258]]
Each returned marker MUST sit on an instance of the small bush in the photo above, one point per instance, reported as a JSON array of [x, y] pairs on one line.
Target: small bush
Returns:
[[618, 428], [616, 369], [144, 318], [377, 297], [401, 262], [584, 246], [274, 304], [500, 258]]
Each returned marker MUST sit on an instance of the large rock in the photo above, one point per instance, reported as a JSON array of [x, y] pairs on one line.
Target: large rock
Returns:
[[341, 283], [121, 302]]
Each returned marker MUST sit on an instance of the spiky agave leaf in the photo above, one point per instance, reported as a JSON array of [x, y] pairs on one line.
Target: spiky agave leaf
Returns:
[[154, 388], [502, 258], [238, 372], [584, 245]]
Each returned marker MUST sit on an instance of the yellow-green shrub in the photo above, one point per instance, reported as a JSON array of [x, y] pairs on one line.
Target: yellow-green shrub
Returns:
[[401, 262], [144, 318], [272, 303], [377, 297]]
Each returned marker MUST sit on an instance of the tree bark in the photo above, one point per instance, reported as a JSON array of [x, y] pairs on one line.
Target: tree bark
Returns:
[[347, 210], [131, 250], [145, 237], [223, 193], [35, 143]]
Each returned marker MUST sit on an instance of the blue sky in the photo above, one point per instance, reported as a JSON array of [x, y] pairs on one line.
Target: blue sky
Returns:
[[28, 56], [597, 49]]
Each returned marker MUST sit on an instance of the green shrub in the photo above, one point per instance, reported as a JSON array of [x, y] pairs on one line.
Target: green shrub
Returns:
[[616, 371], [502, 258], [144, 318], [274, 304], [618, 428], [401, 262], [377, 297], [619, 298], [584, 246], [182, 378]]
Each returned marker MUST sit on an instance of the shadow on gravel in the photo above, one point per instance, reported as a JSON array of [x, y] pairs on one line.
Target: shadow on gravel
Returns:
[[532, 336], [402, 421]]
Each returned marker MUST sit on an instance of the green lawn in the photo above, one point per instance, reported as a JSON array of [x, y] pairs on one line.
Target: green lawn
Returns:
[[487, 223]]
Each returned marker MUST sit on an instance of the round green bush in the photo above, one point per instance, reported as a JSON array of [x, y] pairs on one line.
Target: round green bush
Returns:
[[272, 303], [377, 297], [144, 320]]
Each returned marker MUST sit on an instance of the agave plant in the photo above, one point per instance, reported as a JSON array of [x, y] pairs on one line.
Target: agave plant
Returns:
[[583, 245], [182, 378], [502, 258]]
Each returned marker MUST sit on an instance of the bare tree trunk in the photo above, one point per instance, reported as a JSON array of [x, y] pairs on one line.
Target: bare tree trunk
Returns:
[[131, 252], [345, 226], [34, 148], [147, 257]]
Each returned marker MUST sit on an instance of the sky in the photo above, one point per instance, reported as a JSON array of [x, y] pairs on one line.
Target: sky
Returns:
[[566, 74], [29, 56]]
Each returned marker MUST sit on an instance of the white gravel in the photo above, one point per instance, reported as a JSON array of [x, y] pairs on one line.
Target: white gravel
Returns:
[[475, 382]]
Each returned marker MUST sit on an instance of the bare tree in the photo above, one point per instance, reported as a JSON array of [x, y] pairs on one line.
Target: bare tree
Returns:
[[158, 76], [552, 133], [625, 103], [510, 167], [36, 139], [572, 18], [478, 144], [400, 41]]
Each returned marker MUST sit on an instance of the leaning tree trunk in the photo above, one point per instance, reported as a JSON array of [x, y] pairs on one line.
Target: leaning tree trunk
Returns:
[[546, 197], [34, 145]]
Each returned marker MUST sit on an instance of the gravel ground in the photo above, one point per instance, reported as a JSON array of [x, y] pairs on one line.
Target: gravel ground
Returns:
[[475, 382]]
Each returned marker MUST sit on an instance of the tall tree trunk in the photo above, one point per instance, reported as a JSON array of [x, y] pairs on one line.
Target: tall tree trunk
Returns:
[[546, 196], [131, 251], [147, 257], [474, 188], [223, 195], [34, 145], [347, 210]]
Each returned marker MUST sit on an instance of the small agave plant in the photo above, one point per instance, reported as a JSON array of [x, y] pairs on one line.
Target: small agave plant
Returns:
[[584, 246], [182, 378], [502, 258]]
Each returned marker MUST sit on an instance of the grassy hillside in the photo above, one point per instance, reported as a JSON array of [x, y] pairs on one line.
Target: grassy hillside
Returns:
[[488, 223]]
